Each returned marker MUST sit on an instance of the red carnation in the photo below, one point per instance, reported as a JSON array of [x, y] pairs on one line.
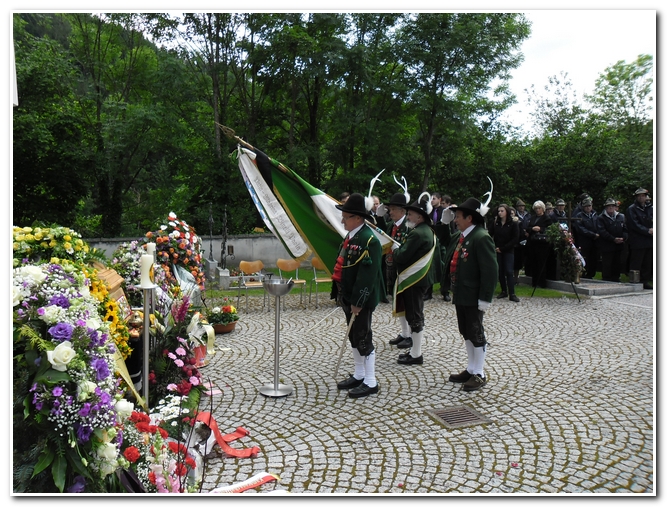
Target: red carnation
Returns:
[[151, 477], [132, 454]]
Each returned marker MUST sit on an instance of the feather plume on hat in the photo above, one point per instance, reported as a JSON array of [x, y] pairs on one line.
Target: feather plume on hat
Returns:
[[368, 200], [404, 187], [484, 208]]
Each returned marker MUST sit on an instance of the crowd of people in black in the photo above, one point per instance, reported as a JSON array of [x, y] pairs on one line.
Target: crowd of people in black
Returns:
[[610, 242]]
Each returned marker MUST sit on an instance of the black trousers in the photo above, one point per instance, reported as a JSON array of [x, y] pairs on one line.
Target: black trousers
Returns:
[[611, 266], [361, 334], [591, 255], [413, 299], [470, 321], [641, 259]]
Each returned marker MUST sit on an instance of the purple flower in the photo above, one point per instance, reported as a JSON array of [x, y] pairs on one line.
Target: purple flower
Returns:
[[57, 391], [61, 331], [78, 486], [85, 410], [83, 433], [60, 300], [101, 368]]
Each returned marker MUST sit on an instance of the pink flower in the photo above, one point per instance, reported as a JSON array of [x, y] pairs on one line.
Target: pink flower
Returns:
[[178, 363], [171, 355], [172, 387], [194, 381], [180, 351]]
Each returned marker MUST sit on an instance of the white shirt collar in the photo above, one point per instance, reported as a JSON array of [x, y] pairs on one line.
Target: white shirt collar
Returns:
[[353, 232], [468, 230]]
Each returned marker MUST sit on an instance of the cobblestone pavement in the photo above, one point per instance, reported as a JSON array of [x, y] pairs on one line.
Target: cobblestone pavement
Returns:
[[570, 399]]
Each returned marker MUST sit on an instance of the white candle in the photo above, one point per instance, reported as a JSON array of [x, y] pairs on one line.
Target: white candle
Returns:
[[150, 248], [146, 267]]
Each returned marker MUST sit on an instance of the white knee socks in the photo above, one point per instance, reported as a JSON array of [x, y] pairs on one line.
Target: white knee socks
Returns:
[[359, 369], [470, 349], [416, 349], [478, 361], [369, 364], [405, 327]]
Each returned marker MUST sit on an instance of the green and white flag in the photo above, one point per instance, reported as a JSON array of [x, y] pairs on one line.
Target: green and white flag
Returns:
[[304, 218]]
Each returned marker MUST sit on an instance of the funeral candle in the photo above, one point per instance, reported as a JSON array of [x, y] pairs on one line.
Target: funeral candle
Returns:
[[146, 265], [150, 248]]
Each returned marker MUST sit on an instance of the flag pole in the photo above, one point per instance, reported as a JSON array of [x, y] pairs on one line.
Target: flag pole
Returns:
[[231, 134]]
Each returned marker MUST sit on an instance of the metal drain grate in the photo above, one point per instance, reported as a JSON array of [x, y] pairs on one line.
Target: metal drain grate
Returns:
[[457, 417]]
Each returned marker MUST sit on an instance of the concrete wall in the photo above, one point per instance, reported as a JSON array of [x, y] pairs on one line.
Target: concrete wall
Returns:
[[264, 247]]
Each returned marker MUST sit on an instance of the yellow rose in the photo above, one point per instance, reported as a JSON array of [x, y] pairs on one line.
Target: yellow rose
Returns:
[[53, 243], [77, 248], [39, 236], [44, 244], [29, 237], [67, 246], [20, 237], [86, 248], [67, 237], [27, 229], [15, 245]]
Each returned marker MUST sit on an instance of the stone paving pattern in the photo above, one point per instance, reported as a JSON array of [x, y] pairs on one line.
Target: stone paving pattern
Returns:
[[570, 397]]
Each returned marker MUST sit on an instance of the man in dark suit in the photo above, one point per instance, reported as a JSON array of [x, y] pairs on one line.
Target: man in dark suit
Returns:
[[474, 272], [357, 278]]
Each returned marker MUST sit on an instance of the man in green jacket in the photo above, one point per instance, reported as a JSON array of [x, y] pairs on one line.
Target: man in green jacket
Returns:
[[474, 273], [415, 261], [357, 287]]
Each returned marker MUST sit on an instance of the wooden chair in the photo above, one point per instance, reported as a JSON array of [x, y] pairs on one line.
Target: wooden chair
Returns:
[[318, 265], [288, 266], [247, 269]]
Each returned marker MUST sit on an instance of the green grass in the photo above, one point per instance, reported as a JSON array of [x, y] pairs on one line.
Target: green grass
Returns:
[[522, 290]]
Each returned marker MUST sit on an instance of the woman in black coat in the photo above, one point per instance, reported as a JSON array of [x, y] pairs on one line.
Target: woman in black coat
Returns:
[[539, 249], [505, 232]]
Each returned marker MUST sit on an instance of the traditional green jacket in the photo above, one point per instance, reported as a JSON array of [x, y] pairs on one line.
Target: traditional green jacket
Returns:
[[477, 267], [418, 243], [362, 282]]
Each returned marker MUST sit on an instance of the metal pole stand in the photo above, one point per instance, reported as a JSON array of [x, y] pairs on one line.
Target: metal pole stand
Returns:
[[278, 288]]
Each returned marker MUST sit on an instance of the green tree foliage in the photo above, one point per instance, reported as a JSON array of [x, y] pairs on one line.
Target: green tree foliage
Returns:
[[119, 114]]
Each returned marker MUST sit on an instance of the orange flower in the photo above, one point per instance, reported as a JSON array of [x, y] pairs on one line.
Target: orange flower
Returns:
[[175, 256]]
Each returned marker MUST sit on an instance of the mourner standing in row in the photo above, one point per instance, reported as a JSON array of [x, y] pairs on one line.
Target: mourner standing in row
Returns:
[[505, 233], [587, 237], [613, 235], [474, 272], [639, 218], [357, 278], [416, 269]]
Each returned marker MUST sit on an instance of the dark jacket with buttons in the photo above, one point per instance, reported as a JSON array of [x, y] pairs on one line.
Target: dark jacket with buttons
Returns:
[[638, 221], [610, 228], [505, 237]]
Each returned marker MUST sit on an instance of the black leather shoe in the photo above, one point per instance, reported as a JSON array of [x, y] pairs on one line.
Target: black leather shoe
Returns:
[[460, 378], [447, 298], [514, 298], [363, 390], [350, 383], [408, 359], [426, 298], [501, 295], [406, 343], [397, 340]]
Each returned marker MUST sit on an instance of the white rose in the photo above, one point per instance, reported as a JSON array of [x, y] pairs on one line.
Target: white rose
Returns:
[[216, 310], [17, 297], [61, 356], [53, 314], [33, 272], [124, 408], [85, 291], [107, 451], [175, 235], [94, 323], [85, 389]]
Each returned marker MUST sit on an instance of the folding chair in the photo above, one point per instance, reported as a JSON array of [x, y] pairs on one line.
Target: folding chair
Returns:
[[318, 265], [287, 266], [249, 268]]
